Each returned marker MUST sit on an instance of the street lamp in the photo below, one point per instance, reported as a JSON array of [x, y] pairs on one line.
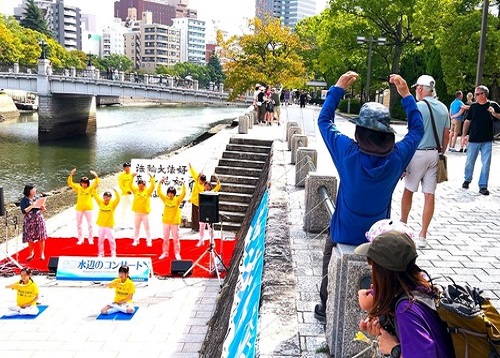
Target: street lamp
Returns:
[[482, 44], [43, 45], [89, 62], [379, 41]]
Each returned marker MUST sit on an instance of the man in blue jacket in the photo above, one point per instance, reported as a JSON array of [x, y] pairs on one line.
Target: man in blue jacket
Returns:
[[369, 167]]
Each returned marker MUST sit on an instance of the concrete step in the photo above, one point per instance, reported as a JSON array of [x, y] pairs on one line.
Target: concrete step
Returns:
[[237, 188], [233, 207], [235, 197], [251, 141], [244, 172], [230, 216], [254, 164], [229, 226], [247, 148], [261, 157], [237, 179]]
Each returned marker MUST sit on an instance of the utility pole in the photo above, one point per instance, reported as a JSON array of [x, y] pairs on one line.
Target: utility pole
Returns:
[[482, 44]]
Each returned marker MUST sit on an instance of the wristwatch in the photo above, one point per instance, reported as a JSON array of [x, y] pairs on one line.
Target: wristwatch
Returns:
[[396, 351]]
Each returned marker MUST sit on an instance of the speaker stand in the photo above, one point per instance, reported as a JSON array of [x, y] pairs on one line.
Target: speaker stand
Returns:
[[214, 262], [8, 265]]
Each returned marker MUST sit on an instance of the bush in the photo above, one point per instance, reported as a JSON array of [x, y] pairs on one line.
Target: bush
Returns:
[[355, 106], [398, 111]]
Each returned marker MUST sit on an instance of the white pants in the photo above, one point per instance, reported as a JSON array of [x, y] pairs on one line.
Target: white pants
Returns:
[[174, 229], [17, 311], [87, 214], [106, 232], [144, 219], [202, 230], [126, 208], [115, 307]]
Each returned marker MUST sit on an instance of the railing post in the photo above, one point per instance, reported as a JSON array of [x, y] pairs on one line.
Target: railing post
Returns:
[[121, 75], [16, 67], [316, 217], [195, 85], [298, 140], [307, 161], [291, 131]]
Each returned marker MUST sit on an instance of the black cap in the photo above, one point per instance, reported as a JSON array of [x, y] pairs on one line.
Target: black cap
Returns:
[[126, 164]]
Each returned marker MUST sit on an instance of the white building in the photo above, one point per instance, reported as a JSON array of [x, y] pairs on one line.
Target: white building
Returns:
[[193, 39], [112, 40]]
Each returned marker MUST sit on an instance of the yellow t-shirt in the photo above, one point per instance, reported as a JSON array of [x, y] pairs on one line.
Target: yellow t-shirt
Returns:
[[197, 188], [26, 293], [142, 198], [125, 182], [106, 215], [84, 196], [171, 211], [122, 289]]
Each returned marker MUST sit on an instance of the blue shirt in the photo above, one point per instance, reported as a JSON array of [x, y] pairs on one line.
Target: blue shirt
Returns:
[[366, 181], [455, 107], [441, 118]]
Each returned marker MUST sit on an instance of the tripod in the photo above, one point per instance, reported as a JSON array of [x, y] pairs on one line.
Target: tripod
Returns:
[[6, 252], [215, 259]]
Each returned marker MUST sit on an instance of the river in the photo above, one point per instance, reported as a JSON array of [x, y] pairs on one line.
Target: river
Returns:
[[122, 133]]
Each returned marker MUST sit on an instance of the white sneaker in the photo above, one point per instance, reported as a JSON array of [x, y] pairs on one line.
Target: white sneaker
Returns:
[[135, 243], [177, 256], [149, 243], [79, 242], [91, 241], [200, 243], [421, 242], [163, 256]]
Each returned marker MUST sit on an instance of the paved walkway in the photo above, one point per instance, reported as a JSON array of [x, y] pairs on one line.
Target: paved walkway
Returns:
[[171, 321]]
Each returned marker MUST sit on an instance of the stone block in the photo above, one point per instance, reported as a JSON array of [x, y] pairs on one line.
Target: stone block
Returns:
[[298, 140], [302, 167], [243, 125], [316, 217], [347, 273], [291, 131], [251, 119], [291, 124]]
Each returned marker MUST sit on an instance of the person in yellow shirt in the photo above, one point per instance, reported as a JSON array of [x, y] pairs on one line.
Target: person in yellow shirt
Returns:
[[106, 221], [199, 182], [27, 295], [124, 291], [205, 225], [142, 207], [84, 206], [125, 180], [171, 218]]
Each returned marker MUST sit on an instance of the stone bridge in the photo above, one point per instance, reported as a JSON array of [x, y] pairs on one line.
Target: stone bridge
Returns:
[[67, 104]]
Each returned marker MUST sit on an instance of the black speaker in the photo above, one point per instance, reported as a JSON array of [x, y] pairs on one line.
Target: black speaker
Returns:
[[2, 204], [209, 207], [179, 267], [53, 262]]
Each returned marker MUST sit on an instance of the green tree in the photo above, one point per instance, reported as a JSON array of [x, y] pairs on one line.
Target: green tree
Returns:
[[215, 71], [114, 61], [10, 45], [33, 19]]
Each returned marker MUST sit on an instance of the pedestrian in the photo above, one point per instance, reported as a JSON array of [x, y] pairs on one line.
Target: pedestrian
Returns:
[[171, 218], [27, 295], [424, 164], [396, 281], [199, 180], [206, 225], [303, 99], [261, 106], [456, 120], [369, 167], [478, 130], [125, 180], [142, 207], [124, 292], [276, 101], [106, 221], [34, 229], [84, 191]]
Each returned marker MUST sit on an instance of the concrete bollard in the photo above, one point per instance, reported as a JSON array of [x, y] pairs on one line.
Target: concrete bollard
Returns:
[[298, 140], [16, 67], [146, 79], [250, 116], [302, 167], [242, 124], [316, 217], [347, 273], [291, 124], [291, 131]]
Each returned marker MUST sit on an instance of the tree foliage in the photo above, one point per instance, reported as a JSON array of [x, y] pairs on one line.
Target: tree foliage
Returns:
[[33, 19]]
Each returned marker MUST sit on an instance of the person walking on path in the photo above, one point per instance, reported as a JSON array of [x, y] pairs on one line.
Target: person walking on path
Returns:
[[84, 206], [124, 182], [369, 167], [479, 129], [456, 117], [198, 187], [424, 164], [171, 218], [106, 221], [34, 229], [142, 207]]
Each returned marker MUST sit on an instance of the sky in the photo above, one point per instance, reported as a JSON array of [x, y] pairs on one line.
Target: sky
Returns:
[[230, 15]]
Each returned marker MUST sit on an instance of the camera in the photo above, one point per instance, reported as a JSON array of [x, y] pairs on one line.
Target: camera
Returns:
[[387, 323]]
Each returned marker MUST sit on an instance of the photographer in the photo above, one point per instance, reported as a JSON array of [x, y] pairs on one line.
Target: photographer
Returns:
[[417, 331]]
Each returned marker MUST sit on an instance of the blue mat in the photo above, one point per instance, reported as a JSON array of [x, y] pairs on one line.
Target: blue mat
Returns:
[[118, 316], [41, 308]]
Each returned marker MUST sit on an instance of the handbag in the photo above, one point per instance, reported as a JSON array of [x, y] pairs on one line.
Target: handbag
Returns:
[[442, 172]]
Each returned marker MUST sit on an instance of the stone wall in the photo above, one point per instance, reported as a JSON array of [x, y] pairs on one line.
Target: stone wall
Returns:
[[7, 107]]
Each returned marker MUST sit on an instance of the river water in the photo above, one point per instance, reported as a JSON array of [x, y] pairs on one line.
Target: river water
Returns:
[[122, 133]]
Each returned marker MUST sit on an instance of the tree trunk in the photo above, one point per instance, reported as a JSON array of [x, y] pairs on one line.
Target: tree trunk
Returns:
[[398, 50]]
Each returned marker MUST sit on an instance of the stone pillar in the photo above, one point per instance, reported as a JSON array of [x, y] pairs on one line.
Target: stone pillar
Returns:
[[251, 116], [90, 71], [291, 131], [42, 79], [43, 64], [131, 78], [291, 124], [298, 140], [97, 74], [347, 273], [302, 168], [121, 76], [16, 67], [316, 217], [170, 81], [72, 72], [221, 88], [195, 85], [66, 72], [243, 125]]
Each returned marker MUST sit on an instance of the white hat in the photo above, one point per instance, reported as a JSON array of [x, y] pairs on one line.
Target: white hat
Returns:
[[425, 80]]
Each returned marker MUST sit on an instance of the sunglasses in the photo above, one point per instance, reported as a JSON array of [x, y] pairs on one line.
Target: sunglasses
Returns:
[[478, 93]]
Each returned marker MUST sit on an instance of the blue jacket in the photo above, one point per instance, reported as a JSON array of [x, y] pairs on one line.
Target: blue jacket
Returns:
[[366, 181]]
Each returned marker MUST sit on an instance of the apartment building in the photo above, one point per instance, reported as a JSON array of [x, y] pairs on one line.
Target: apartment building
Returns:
[[193, 39]]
